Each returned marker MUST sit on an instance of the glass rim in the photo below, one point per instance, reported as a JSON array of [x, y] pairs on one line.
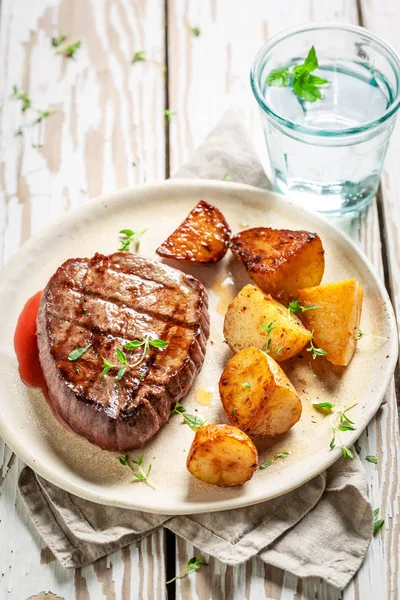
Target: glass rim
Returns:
[[266, 48]]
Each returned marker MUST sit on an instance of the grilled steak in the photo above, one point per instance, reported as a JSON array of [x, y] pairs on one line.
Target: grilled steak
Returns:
[[103, 303]]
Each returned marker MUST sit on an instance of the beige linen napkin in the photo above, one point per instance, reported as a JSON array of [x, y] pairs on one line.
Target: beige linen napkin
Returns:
[[322, 529]]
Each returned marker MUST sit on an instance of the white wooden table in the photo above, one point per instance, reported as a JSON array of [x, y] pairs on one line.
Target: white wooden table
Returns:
[[109, 132]]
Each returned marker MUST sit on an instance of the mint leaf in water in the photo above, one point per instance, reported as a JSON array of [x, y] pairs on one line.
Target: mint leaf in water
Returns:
[[304, 84], [278, 77]]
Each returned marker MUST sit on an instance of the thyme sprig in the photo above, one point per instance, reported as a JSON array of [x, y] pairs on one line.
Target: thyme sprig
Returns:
[[268, 463], [378, 523], [147, 344], [128, 237], [194, 563], [70, 50], [268, 329], [340, 423], [360, 334], [315, 351], [138, 473], [195, 422], [295, 306], [27, 104]]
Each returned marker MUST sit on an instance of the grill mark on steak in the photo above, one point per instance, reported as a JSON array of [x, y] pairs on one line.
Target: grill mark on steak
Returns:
[[123, 414]]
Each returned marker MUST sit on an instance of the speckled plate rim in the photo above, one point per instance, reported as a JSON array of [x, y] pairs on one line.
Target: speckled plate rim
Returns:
[[316, 463]]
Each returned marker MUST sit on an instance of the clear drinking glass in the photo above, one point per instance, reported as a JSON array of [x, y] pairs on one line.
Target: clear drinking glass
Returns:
[[329, 154]]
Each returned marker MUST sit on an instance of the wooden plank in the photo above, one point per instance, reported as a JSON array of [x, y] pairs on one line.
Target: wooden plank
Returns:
[[207, 74], [384, 19], [109, 114]]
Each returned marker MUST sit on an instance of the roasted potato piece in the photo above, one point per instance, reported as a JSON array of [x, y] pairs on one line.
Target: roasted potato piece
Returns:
[[222, 455], [280, 261], [257, 396], [335, 323], [243, 325], [202, 238]]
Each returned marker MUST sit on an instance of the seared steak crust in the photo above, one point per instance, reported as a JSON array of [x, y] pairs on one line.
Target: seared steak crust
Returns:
[[103, 303]]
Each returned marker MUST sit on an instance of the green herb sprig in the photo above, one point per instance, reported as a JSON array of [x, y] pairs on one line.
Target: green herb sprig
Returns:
[[27, 104], [340, 423], [193, 565], [128, 237], [77, 353], [324, 406], [371, 459], [58, 40], [18, 94], [107, 365], [138, 473], [294, 306], [360, 334], [305, 85], [268, 329], [70, 50], [378, 523], [265, 464], [268, 463], [169, 114], [315, 351], [139, 56], [195, 422], [146, 344]]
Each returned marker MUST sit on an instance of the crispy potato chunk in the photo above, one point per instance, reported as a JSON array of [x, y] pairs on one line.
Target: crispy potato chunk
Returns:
[[202, 238], [257, 396], [243, 325], [280, 261], [335, 323], [222, 455]]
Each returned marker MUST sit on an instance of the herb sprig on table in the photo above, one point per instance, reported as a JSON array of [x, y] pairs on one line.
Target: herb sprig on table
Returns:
[[305, 85], [27, 104], [194, 563], [378, 523], [70, 50]]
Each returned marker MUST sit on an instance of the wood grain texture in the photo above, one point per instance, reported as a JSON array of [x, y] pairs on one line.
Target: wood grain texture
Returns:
[[383, 19], [207, 74], [109, 115]]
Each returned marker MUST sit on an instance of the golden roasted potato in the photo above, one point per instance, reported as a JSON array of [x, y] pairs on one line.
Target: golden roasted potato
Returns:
[[244, 320], [222, 455], [335, 323], [257, 396], [280, 261], [203, 237]]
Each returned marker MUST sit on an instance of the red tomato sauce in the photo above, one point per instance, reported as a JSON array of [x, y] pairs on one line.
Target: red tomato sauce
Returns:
[[27, 351], [26, 348]]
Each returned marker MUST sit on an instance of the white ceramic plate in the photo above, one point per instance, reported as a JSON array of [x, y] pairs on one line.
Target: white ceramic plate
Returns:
[[69, 461]]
